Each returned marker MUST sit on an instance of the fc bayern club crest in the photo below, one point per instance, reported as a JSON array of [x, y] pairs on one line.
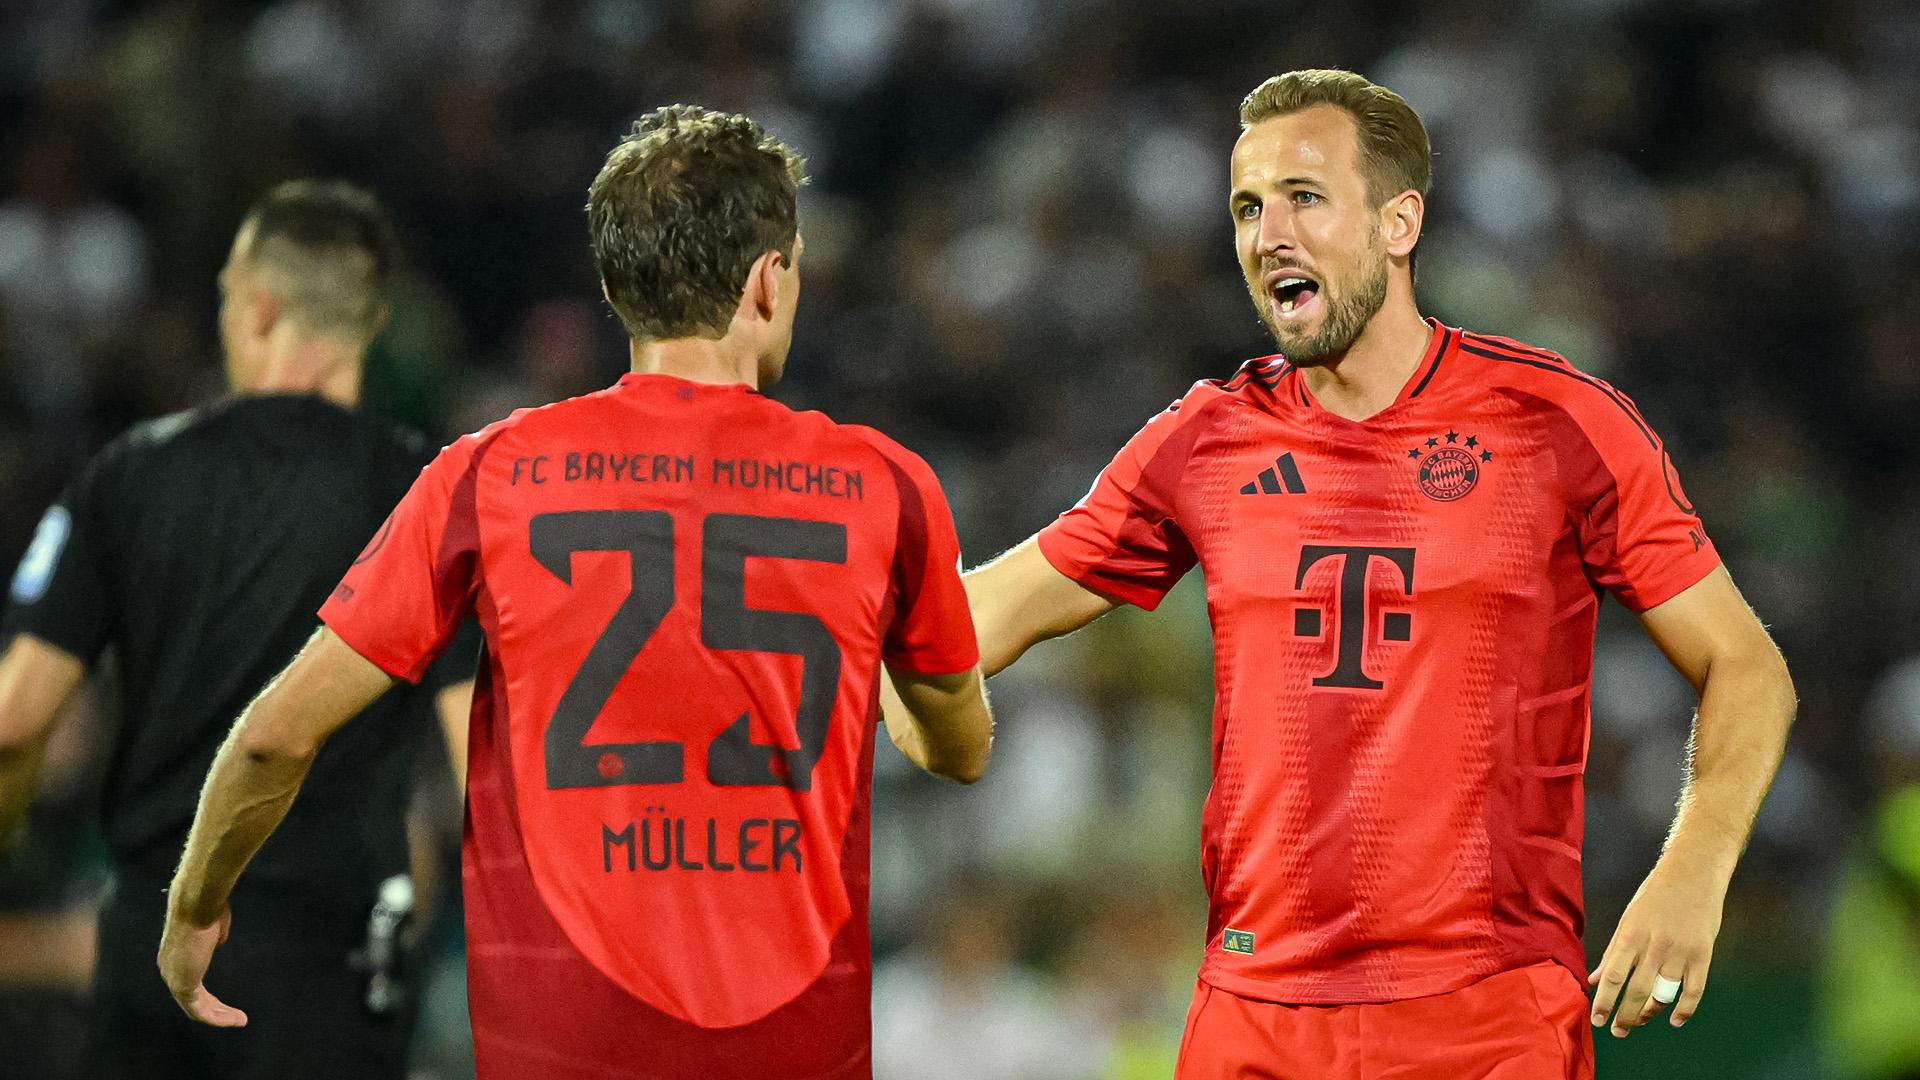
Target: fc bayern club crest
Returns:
[[1450, 465]]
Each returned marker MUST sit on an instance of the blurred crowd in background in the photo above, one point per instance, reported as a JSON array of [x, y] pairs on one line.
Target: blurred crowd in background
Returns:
[[1017, 251]]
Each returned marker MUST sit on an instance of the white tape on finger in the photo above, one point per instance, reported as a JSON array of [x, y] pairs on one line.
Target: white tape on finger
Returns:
[[1665, 990]]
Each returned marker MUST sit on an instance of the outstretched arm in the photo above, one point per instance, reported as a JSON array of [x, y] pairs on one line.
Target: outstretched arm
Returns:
[[1020, 600], [36, 679], [1017, 600], [255, 776], [1746, 705]]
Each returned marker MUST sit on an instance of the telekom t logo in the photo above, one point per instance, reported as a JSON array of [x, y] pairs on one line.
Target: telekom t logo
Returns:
[[1395, 625]]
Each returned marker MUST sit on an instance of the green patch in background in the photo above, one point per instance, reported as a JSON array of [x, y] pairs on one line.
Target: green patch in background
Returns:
[[1755, 1023]]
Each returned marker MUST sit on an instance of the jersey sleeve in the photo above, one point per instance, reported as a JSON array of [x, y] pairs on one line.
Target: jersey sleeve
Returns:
[[932, 628], [1122, 539], [1639, 535], [404, 598], [63, 590]]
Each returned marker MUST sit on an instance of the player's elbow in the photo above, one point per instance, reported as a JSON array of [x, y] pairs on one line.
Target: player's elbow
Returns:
[[269, 744], [968, 745], [968, 767]]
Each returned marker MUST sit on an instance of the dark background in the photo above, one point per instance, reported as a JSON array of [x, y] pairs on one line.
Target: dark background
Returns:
[[1017, 251]]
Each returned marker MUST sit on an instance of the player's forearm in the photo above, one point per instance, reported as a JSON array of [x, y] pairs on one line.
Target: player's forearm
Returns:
[[1747, 704], [36, 680], [259, 768], [19, 776], [246, 796]]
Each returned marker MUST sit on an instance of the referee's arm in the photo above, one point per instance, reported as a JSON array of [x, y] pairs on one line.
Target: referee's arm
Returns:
[[36, 679], [253, 781]]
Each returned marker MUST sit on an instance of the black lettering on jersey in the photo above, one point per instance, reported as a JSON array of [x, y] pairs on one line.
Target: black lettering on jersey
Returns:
[[786, 841], [782, 836], [792, 477], [610, 840], [748, 843], [646, 844], [647, 538], [726, 622], [1351, 607], [528, 466]]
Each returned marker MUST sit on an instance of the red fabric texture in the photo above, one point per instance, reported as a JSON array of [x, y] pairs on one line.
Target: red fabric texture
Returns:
[[1525, 1024], [664, 876]]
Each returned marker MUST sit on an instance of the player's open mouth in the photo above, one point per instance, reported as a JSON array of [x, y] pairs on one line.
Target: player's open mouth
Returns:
[[1291, 292]]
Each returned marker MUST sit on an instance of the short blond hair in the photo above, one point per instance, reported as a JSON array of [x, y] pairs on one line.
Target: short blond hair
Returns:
[[1394, 152]]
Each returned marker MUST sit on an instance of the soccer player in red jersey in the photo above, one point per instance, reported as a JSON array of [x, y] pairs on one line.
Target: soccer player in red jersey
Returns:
[[688, 592], [1406, 530]]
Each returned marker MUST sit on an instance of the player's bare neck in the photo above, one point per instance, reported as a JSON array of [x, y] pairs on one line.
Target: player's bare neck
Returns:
[[324, 366], [720, 361], [1368, 377]]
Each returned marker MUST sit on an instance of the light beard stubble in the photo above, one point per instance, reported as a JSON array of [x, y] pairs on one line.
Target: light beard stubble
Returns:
[[1347, 315]]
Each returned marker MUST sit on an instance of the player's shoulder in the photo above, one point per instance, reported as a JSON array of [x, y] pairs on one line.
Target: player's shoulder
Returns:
[[136, 448], [1256, 382], [1551, 380], [1209, 399], [879, 442], [903, 464]]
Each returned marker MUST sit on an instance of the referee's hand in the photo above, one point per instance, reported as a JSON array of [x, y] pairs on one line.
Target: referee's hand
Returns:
[[185, 952]]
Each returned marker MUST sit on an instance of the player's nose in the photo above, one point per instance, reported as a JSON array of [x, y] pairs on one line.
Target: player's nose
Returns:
[[1276, 230]]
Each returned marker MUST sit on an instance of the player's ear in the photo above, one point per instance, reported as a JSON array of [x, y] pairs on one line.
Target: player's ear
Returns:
[[1401, 220], [763, 284], [264, 310]]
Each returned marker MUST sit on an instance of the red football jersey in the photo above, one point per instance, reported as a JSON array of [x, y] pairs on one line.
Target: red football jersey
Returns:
[[686, 592], [1403, 612]]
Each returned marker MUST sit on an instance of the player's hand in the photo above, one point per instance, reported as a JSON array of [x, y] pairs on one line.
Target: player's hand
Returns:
[[1667, 932], [185, 952]]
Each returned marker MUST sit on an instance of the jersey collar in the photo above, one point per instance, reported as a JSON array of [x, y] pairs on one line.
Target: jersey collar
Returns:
[[1442, 344]]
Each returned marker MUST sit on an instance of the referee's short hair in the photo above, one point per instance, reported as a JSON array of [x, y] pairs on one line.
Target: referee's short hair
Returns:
[[681, 211], [328, 248]]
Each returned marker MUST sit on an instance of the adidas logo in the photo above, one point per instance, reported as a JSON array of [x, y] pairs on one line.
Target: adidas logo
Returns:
[[1283, 471]]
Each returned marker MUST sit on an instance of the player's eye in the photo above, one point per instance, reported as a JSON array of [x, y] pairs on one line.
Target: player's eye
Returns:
[[1249, 211], [1305, 198]]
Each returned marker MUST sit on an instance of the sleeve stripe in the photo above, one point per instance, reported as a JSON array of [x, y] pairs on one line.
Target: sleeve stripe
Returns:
[[461, 537], [910, 541], [1611, 394]]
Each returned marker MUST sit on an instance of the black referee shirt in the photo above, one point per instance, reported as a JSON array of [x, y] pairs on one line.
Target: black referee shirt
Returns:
[[201, 545]]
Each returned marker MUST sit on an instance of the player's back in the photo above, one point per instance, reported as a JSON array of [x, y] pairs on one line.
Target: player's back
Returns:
[[199, 545], [687, 591]]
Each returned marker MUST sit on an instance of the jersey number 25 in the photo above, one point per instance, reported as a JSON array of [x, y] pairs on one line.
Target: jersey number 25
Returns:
[[726, 622]]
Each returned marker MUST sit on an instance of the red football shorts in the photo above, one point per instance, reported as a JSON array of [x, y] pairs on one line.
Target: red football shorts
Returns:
[[1525, 1024]]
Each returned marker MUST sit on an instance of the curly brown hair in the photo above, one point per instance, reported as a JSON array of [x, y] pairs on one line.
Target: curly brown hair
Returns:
[[681, 211]]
